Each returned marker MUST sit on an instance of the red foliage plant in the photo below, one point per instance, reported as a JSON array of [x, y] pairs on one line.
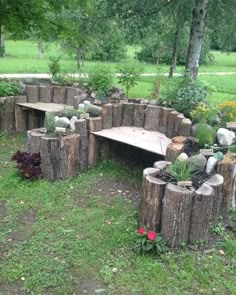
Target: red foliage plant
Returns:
[[28, 164]]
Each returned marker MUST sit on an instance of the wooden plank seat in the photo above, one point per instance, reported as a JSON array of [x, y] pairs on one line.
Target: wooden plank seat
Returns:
[[44, 106], [151, 141]]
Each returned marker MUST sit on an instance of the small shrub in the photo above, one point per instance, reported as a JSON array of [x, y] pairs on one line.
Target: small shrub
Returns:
[[204, 114], [204, 135], [54, 66], [50, 123], [149, 242], [129, 74], [28, 165], [9, 88], [217, 229], [101, 79], [228, 112], [229, 246], [179, 170], [233, 149]]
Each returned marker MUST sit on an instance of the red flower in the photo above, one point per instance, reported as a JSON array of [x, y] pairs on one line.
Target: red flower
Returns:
[[152, 235], [141, 230]]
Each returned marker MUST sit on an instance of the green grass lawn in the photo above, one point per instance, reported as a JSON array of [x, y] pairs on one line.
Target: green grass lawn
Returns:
[[73, 237]]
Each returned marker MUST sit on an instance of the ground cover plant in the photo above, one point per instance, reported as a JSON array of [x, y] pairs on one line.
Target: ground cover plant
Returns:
[[76, 237]]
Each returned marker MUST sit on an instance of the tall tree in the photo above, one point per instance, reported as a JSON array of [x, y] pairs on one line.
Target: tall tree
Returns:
[[199, 15]]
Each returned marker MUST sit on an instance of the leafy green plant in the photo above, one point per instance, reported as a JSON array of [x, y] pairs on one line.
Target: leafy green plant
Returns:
[[204, 134], [9, 88], [70, 113], [54, 66], [179, 170], [50, 123], [205, 114], [149, 241], [232, 148], [101, 79], [129, 74], [218, 229]]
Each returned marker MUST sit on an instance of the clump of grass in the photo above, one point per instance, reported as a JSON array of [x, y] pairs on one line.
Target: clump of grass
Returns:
[[204, 134], [180, 171], [50, 123]]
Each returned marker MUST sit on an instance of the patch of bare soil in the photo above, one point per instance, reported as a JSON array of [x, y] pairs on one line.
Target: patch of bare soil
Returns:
[[28, 217], [11, 288], [90, 287], [110, 190]]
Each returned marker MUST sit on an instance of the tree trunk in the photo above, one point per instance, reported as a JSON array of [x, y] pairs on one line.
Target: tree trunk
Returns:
[[174, 52], [79, 57], [2, 41], [196, 38], [40, 48]]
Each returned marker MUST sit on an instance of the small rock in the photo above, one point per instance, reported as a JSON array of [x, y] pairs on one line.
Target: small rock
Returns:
[[72, 123], [211, 165], [182, 157], [62, 122], [81, 106], [197, 163], [219, 156], [225, 137], [221, 252], [87, 102]]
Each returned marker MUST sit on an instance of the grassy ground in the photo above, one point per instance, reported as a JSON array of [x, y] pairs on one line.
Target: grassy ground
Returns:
[[75, 237]]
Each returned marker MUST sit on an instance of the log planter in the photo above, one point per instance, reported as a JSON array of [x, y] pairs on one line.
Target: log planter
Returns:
[[180, 214]]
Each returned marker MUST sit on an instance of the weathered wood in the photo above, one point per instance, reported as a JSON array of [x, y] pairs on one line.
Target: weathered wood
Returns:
[[32, 92], [117, 115], [152, 118], [139, 114], [107, 116], [179, 139], [45, 93], [127, 114], [201, 213], [60, 156], [105, 150], [20, 115], [176, 215], [7, 114], [161, 164], [178, 124], [59, 94], [216, 182], [173, 150], [226, 168], [71, 92], [81, 128], [150, 208], [93, 150], [33, 143], [151, 172], [164, 120], [170, 132], [185, 128], [32, 119], [94, 124]]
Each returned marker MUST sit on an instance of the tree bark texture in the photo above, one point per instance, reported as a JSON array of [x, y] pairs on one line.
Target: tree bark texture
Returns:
[[7, 114], [199, 14], [173, 150], [201, 213], [176, 215], [81, 128], [2, 41], [59, 94], [33, 143], [139, 115], [117, 115], [71, 92], [127, 114], [152, 118], [216, 182], [107, 117], [170, 132], [164, 120], [185, 128], [32, 92], [20, 115], [45, 93], [174, 50], [94, 124]]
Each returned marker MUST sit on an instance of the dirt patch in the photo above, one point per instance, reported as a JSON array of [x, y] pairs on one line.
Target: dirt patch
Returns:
[[3, 210], [90, 287], [11, 288], [110, 190], [19, 236], [28, 217]]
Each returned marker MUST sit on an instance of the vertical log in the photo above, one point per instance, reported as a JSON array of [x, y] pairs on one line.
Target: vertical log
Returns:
[[93, 152], [152, 118], [216, 182], [33, 143], [178, 124], [117, 115], [164, 120], [45, 93], [59, 94], [7, 110], [173, 150], [81, 128], [71, 92], [186, 128], [176, 214], [201, 213], [20, 115], [150, 209], [127, 114], [32, 92], [94, 124], [226, 168], [139, 114], [107, 116], [171, 124]]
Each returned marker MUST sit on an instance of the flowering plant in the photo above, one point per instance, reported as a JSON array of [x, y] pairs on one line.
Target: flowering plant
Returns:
[[149, 241], [228, 111], [203, 113]]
